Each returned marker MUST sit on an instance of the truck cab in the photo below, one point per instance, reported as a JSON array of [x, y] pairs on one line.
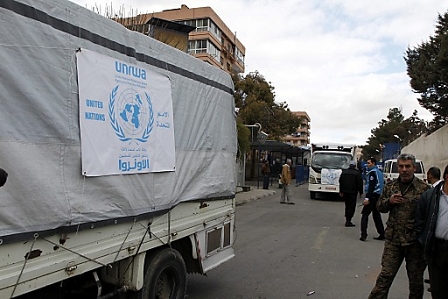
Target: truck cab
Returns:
[[327, 163]]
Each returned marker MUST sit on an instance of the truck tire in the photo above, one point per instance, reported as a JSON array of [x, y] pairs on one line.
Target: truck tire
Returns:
[[165, 277], [312, 195]]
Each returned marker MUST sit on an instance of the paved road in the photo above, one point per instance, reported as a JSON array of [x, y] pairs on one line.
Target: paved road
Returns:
[[286, 251]]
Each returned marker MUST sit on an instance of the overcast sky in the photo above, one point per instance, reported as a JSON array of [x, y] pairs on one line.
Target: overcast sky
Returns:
[[341, 61]]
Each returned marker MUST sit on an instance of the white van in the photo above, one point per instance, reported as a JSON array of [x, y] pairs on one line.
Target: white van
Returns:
[[390, 170]]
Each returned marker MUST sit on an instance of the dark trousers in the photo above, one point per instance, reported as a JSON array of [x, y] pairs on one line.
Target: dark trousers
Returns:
[[266, 181], [366, 211], [438, 270], [393, 256], [350, 205]]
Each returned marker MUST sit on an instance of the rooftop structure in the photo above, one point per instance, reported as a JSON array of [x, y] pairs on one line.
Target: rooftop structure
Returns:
[[210, 40]]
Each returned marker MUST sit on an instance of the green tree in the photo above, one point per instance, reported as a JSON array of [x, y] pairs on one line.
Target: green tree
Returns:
[[255, 100], [243, 138], [427, 66], [394, 125]]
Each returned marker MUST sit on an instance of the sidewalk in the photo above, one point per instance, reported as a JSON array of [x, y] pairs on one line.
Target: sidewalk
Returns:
[[256, 192], [242, 197]]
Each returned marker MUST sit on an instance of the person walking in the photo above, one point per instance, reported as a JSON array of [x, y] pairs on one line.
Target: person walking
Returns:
[[286, 181], [373, 189], [266, 172], [432, 232], [400, 199], [350, 184], [433, 176]]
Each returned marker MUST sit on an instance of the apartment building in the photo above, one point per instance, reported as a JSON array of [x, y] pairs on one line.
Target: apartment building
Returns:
[[208, 37], [302, 136]]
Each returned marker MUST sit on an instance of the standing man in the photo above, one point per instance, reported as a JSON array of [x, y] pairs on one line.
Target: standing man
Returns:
[[432, 230], [286, 181], [433, 176], [350, 184], [374, 188], [265, 171], [400, 198]]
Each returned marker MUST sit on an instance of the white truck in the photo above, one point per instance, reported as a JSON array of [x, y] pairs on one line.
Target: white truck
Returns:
[[120, 152], [327, 162]]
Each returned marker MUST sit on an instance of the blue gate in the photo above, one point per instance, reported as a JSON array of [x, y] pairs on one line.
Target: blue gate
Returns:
[[302, 174]]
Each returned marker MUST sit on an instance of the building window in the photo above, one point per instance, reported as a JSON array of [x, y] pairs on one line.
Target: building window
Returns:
[[213, 51], [197, 46], [239, 55], [230, 48], [215, 30], [204, 46], [204, 25], [188, 22]]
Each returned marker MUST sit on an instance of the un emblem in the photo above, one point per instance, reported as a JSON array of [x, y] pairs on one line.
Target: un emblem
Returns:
[[131, 117]]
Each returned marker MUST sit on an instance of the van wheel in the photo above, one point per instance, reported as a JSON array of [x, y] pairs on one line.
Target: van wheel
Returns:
[[312, 195], [165, 277]]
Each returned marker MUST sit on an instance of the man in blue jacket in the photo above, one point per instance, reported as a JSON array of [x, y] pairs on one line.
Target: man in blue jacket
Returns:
[[373, 190]]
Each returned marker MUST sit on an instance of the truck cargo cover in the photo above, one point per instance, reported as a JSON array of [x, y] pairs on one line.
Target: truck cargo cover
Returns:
[[40, 139]]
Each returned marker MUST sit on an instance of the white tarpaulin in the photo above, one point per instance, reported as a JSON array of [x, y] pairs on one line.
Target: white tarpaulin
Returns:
[[40, 139], [125, 117]]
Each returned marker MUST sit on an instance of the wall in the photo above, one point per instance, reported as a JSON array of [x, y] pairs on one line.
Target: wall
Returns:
[[431, 149]]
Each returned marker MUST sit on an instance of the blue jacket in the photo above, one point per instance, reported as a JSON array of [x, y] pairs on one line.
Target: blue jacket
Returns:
[[374, 181]]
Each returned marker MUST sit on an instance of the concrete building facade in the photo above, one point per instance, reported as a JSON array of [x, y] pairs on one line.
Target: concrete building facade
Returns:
[[431, 149], [302, 136], [211, 40]]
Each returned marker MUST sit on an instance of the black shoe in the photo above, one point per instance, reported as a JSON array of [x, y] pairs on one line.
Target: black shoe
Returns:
[[283, 202], [380, 237], [291, 203], [362, 239], [349, 224]]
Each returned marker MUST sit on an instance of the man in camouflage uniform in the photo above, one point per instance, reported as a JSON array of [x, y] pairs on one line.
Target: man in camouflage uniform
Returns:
[[400, 198]]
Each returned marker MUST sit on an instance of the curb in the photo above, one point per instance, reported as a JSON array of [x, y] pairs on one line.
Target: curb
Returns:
[[242, 198]]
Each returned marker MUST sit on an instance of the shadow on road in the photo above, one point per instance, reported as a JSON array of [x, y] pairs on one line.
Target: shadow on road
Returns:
[[328, 197]]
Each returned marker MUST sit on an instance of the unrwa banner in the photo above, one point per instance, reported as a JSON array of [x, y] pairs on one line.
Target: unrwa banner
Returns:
[[330, 176], [125, 115]]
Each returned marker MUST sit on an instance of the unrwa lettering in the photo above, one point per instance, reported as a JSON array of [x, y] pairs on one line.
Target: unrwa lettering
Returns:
[[138, 165], [130, 70]]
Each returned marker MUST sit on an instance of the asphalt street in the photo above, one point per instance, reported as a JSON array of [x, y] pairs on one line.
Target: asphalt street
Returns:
[[296, 251]]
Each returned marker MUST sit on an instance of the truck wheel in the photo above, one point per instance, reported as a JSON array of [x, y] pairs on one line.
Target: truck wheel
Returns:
[[312, 195], [165, 277]]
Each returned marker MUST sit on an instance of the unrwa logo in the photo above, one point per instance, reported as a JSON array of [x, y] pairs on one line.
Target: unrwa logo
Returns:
[[131, 117]]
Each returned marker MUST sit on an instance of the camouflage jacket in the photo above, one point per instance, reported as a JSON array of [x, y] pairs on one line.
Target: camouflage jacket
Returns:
[[400, 224]]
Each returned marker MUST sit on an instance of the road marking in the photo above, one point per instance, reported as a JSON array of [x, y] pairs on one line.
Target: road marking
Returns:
[[320, 239]]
